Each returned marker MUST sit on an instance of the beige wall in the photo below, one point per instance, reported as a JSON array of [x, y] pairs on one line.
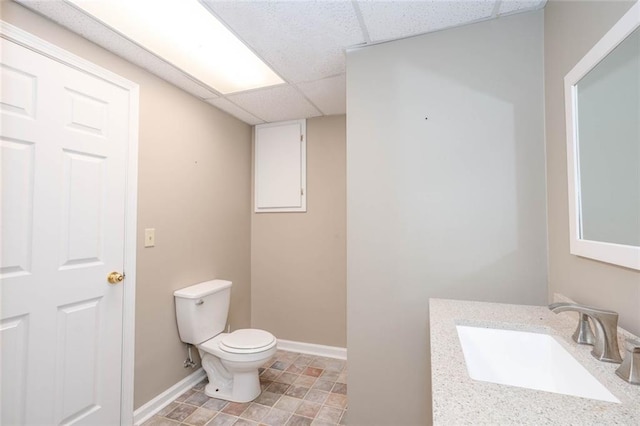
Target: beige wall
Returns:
[[298, 260], [452, 206], [571, 29], [194, 189]]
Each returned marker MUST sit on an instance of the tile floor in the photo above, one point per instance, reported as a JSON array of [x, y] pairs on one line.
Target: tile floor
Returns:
[[297, 390]]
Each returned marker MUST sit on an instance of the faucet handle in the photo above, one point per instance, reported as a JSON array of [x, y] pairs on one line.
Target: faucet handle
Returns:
[[629, 370]]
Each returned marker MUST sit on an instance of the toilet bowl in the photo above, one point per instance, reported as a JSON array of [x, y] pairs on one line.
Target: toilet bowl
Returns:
[[231, 360], [233, 371]]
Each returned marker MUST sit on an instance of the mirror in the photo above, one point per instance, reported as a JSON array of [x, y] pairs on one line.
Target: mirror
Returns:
[[602, 99]]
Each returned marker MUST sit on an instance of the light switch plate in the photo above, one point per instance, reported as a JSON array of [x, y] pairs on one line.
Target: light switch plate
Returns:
[[149, 237]]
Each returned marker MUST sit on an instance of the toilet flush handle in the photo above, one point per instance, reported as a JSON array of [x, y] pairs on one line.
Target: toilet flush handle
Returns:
[[199, 302]]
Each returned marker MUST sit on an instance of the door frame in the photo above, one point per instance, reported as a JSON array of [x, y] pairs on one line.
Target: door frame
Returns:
[[12, 33]]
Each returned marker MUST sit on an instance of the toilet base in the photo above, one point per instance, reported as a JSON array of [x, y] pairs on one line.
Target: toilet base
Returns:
[[231, 380], [246, 386]]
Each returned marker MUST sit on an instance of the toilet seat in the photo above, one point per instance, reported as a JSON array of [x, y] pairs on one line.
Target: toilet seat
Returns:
[[255, 345], [247, 340]]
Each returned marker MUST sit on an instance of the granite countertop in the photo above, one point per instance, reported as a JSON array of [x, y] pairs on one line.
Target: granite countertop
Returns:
[[457, 399]]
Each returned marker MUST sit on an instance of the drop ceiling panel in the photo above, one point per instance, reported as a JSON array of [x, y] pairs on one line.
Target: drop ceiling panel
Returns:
[[78, 22], [278, 103], [301, 40], [387, 20], [234, 110], [328, 94]]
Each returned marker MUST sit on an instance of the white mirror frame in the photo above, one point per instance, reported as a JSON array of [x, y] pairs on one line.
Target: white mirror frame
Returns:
[[617, 254]]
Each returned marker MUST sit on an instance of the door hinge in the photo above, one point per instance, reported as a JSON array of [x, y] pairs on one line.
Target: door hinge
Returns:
[[301, 191], [301, 138]]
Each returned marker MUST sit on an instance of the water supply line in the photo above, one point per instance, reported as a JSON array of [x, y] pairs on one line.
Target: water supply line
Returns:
[[189, 361]]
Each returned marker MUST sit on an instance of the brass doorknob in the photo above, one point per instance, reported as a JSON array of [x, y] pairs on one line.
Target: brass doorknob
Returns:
[[115, 277]]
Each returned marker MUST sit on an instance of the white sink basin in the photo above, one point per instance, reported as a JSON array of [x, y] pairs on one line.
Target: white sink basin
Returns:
[[527, 360]]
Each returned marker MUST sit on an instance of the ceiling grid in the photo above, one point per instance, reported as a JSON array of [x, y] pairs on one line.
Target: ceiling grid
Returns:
[[303, 41]]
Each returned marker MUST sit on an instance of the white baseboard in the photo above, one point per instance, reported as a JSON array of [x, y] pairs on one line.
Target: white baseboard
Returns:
[[312, 349], [146, 411]]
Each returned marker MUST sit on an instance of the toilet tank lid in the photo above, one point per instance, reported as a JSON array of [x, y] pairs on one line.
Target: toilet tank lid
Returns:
[[203, 289]]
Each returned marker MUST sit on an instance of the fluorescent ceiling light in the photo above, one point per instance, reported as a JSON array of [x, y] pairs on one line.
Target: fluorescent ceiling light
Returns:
[[187, 35]]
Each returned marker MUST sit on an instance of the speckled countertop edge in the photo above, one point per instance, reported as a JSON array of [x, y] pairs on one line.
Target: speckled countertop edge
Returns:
[[457, 399]]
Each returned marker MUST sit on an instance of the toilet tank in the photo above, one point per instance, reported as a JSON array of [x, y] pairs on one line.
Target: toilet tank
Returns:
[[201, 310]]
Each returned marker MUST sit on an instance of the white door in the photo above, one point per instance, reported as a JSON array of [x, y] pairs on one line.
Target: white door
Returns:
[[64, 142]]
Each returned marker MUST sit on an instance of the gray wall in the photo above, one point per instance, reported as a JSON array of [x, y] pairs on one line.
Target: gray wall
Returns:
[[450, 206], [571, 29], [298, 260], [193, 188]]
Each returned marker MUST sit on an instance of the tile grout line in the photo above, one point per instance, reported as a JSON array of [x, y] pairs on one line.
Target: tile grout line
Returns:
[[327, 370]]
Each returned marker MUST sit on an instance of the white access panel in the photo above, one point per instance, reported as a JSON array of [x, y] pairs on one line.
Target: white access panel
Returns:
[[280, 167]]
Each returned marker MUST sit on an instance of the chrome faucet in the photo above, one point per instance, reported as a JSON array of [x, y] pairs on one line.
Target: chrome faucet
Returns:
[[605, 324]]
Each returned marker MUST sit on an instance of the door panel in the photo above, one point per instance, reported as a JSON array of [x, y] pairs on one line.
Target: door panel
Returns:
[[17, 183], [86, 114], [78, 333], [13, 333], [18, 92], [64, 144], [83, 200]]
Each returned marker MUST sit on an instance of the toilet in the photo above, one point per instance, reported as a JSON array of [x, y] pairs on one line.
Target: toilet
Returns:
[[231, 360]]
